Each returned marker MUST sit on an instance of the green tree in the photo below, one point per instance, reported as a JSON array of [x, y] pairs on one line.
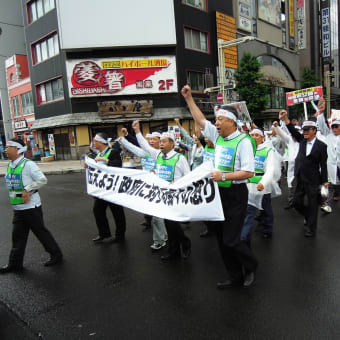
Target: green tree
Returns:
[[248, 85], [308, 79]]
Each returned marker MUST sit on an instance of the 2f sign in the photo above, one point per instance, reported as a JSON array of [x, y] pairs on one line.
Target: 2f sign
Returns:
[[164, 85]]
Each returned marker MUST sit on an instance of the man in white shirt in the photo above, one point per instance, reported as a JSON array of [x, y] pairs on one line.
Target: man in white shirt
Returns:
[[234, 164], [170, 166], [23, 179]]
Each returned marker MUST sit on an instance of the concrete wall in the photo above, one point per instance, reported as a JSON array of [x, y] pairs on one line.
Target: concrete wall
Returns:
[[12, 41]]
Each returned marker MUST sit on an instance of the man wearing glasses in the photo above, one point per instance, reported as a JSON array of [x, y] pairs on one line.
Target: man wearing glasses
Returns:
[[309, 173], [333, 161]]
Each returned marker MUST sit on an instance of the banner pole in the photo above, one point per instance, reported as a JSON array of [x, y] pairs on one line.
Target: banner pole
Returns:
[[305, 109]]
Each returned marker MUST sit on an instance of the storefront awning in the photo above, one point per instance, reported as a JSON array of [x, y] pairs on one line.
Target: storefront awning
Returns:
[[89, 118]]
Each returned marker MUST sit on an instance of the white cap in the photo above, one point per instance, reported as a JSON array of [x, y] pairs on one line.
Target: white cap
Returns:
[[308, 124], [168, 135], [258, 131], [156, 134], [336, 121]]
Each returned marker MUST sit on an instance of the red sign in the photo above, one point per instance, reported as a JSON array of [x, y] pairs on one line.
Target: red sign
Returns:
[[220, 98], [304, 95]]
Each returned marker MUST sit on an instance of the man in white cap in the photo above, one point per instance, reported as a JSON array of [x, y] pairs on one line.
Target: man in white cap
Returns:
[[110, 157], [23, 179], [234, 164], [333, 161], [159, 233], [170, 166], [310, 171]]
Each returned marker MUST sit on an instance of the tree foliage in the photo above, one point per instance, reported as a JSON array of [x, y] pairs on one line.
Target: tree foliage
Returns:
[[248, 86]]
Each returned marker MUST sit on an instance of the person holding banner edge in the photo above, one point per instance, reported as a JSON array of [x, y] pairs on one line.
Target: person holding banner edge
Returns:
[[110, 157], [170, 166], [234, 164]]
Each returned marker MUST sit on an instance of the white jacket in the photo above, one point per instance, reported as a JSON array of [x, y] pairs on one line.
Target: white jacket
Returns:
[[333, 149]]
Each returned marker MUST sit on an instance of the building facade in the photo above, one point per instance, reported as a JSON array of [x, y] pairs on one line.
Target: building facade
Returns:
[[12, 41], [21, 102], [84, 82]]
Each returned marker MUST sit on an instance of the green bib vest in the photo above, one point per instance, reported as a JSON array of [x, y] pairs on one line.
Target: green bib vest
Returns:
[[14, 182], [225, 153], [260, 160], [209, 154], [148, 163], [165, 168]]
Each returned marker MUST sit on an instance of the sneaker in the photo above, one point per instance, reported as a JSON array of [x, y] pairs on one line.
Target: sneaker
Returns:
[[157, 246], [100, 239], [326, 208]]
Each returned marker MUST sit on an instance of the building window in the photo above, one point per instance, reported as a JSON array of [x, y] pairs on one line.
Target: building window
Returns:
[[45, 49], [38, 8], [277, 98], [27, 103], [283, 22], [50, 91], [196, 40], [12, 78], [201, 4], [16, 106], [196, 81]]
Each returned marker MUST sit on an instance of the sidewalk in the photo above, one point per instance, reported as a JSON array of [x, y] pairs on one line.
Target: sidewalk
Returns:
[[50, 168]]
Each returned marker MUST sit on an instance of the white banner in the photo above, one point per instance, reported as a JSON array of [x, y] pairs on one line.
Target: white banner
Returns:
[[194, 197]]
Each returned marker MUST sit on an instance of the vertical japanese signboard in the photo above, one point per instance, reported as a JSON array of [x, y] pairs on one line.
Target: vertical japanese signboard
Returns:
[[226, 30], [326, 34], [301, 25], [291, 25]]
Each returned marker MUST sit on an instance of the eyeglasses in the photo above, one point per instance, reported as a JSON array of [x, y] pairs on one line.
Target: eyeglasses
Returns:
[[335, 126]]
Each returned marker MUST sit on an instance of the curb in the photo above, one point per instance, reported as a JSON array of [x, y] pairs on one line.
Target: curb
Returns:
[[59, 172]]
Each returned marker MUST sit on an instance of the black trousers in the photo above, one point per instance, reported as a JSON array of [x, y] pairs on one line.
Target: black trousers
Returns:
[[308, 209], [176, 238], [23, 222], [236, 254], [99, 211]]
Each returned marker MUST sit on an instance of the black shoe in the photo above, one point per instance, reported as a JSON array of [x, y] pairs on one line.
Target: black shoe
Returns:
[[53, 261], [267, 235], [228, 284], [249, 279], [146, 225], [186, 252], [170, 257], [205, 233], [118, 240], [11, 269], [309, 234]]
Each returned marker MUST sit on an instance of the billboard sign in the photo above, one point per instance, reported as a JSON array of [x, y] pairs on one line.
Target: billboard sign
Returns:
[[114, 23], [122, 76], [326, 33], [270, 11], [304, 95]]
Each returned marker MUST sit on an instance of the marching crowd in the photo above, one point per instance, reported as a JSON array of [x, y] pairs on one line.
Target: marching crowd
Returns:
[[247, 168]]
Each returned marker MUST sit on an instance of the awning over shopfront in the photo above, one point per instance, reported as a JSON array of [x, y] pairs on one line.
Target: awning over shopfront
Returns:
[[90, 118]]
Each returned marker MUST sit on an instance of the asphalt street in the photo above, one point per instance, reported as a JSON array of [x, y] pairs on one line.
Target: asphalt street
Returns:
[[124, 291]]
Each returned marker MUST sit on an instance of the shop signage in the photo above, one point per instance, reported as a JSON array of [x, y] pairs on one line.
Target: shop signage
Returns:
[[304, 95], [326, 34], [301, 27], [122, 76], [125, 108], [20, 124]]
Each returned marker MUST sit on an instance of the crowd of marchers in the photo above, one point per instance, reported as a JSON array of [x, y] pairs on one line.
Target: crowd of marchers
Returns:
[[248, 164]]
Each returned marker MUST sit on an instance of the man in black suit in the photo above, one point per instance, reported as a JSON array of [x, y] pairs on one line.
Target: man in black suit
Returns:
[[309, 173]]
